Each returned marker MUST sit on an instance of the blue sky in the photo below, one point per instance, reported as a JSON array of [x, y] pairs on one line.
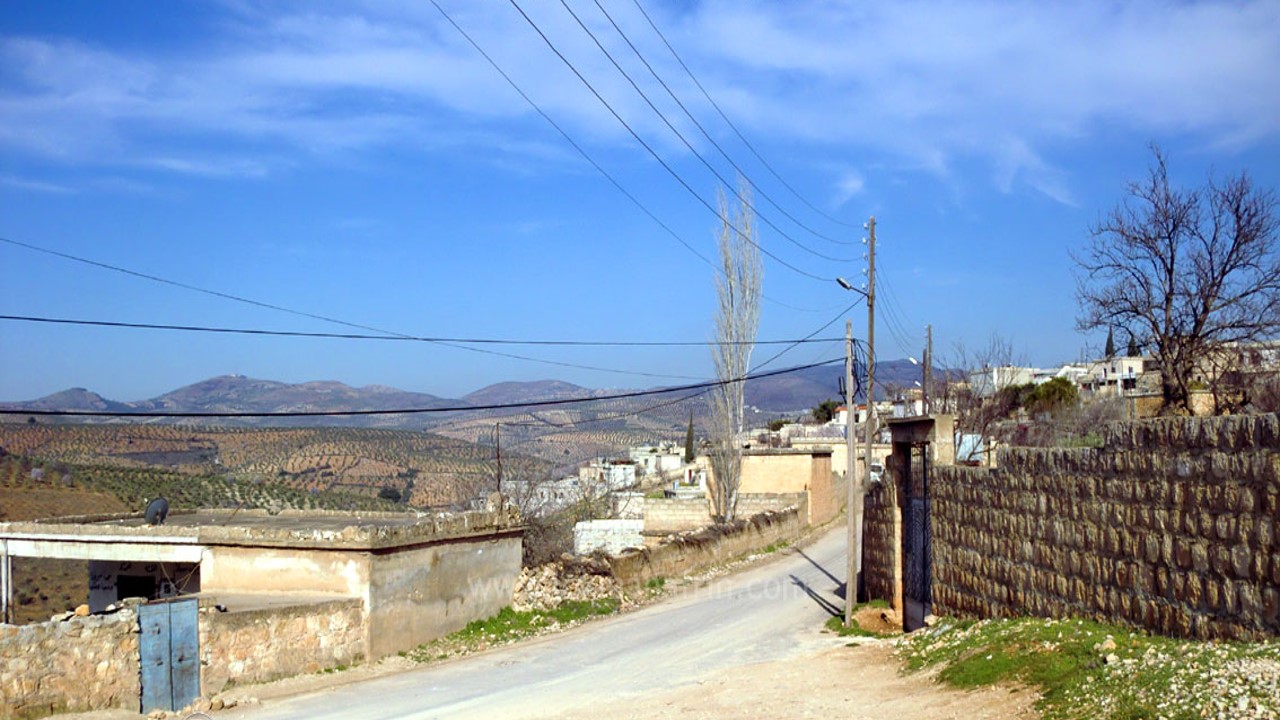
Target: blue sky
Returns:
[[362, 161]]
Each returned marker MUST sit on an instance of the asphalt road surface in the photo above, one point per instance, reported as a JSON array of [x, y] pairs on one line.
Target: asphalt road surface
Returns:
[[769, 613]]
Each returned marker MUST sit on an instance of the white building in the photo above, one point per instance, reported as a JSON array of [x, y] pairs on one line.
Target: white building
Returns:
[[990, 380], [657, 459]]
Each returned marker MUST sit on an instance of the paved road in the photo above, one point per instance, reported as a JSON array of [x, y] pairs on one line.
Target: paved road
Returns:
[[771, 612]]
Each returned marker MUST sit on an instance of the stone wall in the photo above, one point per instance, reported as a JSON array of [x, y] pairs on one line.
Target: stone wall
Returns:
[[756, 503], [1171, 526], [82, 663], [663, 516], [880, 519], [693, 552], [260, 645]]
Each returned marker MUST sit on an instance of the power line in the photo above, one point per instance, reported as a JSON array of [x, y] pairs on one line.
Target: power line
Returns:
[[730, 123], [416, 411], [655, 154], [389, 333], [688, 145], [586, 156], [708, 135], [807, 338], [395, 338]]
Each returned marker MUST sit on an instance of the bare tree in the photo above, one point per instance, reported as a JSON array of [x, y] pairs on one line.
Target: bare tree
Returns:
[[737, 318], [1184, 272], [980, 398]]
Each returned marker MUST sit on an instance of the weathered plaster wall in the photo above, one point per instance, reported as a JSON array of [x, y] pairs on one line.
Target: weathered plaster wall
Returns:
[[421, 594], [770, 471], [284, 570], [610, 536], [692, 552], [84, 663], [270, 643], [1171, 526]]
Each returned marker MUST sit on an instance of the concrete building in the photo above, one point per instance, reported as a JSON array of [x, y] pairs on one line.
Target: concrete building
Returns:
[[990, 380], [604, 475], [416, 577], [657, 459]]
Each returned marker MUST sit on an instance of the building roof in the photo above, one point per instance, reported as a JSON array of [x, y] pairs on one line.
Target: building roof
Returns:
[[257, 528]]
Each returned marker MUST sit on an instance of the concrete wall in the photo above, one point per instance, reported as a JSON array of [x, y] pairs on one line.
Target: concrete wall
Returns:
[[694, 552], [419, 595], [839, 450], [266, 644], [608, 536], [1171, 526], [84, 663], [773, 471]]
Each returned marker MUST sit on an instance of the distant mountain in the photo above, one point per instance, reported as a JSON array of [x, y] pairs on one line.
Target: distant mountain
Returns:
[[516, 392], [73, 399], [236, 393], [792, 393], [804, 389]]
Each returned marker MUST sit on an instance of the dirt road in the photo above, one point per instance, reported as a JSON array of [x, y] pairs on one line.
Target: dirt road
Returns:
[[748, 645]]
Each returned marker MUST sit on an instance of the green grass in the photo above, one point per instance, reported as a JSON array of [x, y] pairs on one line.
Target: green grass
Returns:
[[656, 583], [775, 547], [836, 625], [509, 626], [1085, 669]]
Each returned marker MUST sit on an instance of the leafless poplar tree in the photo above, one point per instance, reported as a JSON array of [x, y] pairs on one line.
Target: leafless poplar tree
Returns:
[[1183, 272], [737, 318]]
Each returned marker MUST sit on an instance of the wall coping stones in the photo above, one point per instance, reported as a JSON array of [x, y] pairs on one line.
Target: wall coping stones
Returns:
[[257, 528]]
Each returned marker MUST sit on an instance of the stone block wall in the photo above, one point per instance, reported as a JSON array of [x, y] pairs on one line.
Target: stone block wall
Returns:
[[880, 542], [260, 645], [83, 663], [696, 551], [663, 516], [756, 503], [1173, 526]]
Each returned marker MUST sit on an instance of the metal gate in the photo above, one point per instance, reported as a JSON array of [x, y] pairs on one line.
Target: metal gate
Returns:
[[169, 653], [917, 541]]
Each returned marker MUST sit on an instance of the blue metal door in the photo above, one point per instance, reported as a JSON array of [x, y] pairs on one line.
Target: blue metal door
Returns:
[[169, 654]]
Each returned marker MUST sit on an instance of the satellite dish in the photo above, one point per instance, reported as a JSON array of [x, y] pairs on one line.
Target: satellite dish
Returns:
[[157, 511]]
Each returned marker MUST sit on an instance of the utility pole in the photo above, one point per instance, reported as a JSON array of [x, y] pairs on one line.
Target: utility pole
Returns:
[[497, 436], [871, 380], [860, 482], [928, 368], [850, 471]]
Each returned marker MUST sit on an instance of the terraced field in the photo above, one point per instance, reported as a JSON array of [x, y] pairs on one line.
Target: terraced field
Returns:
[[31, 489], [432, 470]]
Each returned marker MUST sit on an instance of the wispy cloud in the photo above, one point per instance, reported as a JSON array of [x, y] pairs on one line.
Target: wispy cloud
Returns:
[[923, 83], [35, 185], [228, 167], [851, 184]]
